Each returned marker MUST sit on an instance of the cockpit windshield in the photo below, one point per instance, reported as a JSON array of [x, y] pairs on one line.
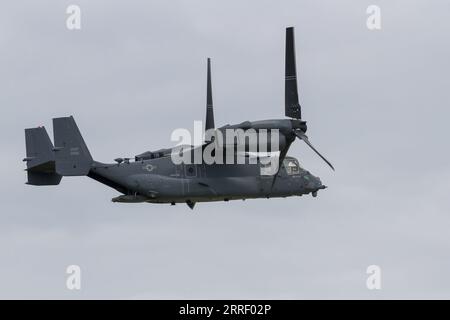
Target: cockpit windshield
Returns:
[[292, 166]]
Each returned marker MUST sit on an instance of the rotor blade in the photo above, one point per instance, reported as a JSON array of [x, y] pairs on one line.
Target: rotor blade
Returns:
[[303, 137], [209, 124], [291, 104]]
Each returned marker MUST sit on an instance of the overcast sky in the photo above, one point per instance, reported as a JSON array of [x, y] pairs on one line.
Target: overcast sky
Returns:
[[377, 106]]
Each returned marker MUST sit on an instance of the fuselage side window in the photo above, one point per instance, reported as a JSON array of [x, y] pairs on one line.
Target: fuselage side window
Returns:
[[292, 167], [190, 170]]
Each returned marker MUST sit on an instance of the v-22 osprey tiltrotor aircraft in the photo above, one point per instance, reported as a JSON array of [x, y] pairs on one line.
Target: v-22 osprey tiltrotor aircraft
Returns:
[[154, 178]]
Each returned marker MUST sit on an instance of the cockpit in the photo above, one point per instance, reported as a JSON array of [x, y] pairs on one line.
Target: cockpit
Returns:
[[291, 165]]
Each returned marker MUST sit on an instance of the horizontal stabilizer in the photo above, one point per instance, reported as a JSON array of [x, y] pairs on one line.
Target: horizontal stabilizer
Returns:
[[43, 178]]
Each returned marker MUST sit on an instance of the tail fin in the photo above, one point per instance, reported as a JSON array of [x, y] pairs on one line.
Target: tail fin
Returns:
[[72, 157], [40, 158]]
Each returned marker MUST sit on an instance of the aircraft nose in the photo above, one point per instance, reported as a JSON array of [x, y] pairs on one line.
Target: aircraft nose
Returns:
[[313, 183], [318, 183]]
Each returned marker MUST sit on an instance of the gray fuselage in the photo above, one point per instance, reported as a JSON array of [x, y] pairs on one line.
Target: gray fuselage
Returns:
[[161, 181]]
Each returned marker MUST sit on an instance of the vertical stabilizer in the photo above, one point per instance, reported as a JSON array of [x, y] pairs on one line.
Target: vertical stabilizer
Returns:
[[40, 158], [72, 157]]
